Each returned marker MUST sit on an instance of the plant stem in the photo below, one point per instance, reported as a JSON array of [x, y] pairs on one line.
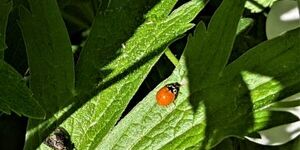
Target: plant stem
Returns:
[[171, 57]]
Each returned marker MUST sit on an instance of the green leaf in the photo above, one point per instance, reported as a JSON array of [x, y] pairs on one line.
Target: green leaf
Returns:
[[126, 70], [5, 8], [286, 104], [111, 29], [15, 54], [49, 54], [79, 14], [179, 127], [16, 96], [236, 105], [289, 102], [50, 61], [207, 52], [244, 23], [243, 144], [257, 6], [211, 51], [269, 71]]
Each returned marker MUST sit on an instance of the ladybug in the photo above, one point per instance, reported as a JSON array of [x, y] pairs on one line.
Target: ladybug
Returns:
[[167, 94]]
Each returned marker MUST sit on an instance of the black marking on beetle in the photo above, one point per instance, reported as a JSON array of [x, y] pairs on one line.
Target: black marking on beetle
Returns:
[[174, 88]]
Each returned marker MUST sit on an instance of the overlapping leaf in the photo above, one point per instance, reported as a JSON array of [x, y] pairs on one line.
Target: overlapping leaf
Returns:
[[233, 110], [49, 54], [15, 95], [50, 62], [234, 105], [257, 6], [5, 8], [125, 69]]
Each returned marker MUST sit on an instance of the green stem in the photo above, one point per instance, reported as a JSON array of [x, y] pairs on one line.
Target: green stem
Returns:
[[171, 57]]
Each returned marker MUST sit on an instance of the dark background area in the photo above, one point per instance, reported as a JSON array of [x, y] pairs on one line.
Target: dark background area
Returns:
[[13, 127]]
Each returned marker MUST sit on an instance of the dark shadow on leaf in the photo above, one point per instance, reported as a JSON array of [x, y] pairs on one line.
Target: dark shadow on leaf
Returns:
[[254, 135], [278, 118], [227, 108], [235, 115], [99, 51], [82, 99], [228, 115], [15, 55], [256, 4], [194, 99]]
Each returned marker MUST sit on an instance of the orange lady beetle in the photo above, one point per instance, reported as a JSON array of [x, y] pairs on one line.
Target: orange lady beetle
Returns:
[[167, 94]]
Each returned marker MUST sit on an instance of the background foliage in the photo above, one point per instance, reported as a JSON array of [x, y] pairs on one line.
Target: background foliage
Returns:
[[93, 67]]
